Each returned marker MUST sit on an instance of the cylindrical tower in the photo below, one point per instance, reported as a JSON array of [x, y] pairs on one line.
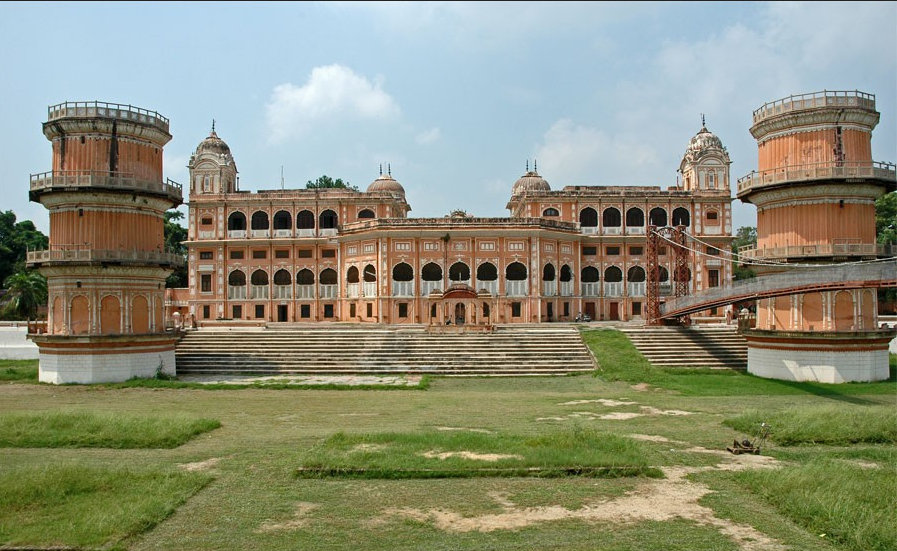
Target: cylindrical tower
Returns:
[[815, 192], [107, 263]]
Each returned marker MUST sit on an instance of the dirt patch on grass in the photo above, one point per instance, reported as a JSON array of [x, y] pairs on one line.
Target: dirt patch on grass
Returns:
[[368, 448], [470, 455], [300, 519], [621, 415], [651, 438], [654, 500], [206, 465], [602, 401], [468, 429]]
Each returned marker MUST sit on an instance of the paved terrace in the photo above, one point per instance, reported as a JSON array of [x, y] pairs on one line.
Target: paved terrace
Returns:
[[795, 281]]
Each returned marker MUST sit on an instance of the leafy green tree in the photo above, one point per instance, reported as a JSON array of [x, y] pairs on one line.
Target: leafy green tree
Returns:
[[16, 239], [746, 235], [26, 292], [326, 182], [175, 235], [886, 218]]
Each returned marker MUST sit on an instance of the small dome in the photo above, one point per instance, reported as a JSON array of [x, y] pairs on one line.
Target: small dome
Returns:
[[703, 142], [531, 181], [213, 144], [386, 183]]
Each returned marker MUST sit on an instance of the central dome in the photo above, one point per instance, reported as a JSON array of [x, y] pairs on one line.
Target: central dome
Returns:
[[531, 181], [703, 142], [385, 182], [213, 144]]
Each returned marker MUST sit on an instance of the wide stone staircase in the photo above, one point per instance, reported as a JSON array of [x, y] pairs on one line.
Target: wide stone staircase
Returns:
[[341, 349], [713, 346]]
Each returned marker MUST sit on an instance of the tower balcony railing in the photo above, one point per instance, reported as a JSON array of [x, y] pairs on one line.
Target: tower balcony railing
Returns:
[[76, 253], [829, 170], [825, 98], [61, 180], [818, 250], [83, 109]]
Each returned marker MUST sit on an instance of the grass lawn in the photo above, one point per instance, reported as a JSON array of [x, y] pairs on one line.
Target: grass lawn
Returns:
[[236, 487]]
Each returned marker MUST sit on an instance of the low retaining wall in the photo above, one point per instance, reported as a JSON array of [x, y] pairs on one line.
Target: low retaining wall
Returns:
[[14, 344]]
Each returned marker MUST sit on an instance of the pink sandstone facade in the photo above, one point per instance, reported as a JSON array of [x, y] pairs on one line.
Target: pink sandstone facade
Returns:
[[355, 256], [106, 264], [815, 192]]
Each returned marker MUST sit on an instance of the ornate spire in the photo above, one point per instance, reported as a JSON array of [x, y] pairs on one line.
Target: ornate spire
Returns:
[[535, 166]]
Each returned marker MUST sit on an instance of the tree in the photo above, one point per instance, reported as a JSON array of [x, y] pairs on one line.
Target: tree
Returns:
[[326, 182], [26, 292], [746, 235], [886, 219], [175, 235], [16, 239]]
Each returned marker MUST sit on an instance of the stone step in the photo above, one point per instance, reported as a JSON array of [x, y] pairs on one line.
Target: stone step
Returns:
[[705, 346]]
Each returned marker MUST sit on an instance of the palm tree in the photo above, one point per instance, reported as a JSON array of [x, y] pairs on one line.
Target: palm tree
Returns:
[[26, 291]]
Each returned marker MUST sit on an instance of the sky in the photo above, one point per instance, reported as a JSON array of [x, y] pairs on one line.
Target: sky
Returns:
[[455, 98]]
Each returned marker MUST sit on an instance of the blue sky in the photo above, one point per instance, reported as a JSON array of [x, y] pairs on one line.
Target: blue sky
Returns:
[[456, 97]]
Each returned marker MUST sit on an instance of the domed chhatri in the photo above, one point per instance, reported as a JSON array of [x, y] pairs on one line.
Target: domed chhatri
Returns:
[[703, 142], [385, 182], [213, 144], [531, 181]]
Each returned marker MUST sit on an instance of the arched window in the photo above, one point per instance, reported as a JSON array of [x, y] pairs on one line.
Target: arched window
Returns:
[[588, 218], [431, 272], [636, 274], [259, 220], [590, 274], [681, 217], [352, 275], [402, 272], [459, 271], [711, 217], [328, 276], [282, 220], [259, 277], [566, 274], [305, 220], [550, 211], [635, 217], [611, 218], [328, 220], [305, 277], [236, 279], [487, 272], [548, 272], [370, 274], [657, 217], [515, 272], [613, 274], [236, 221], [366, 213], [282, 277]]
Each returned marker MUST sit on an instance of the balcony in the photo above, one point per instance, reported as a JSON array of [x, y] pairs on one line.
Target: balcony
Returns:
[[826, 98], [236, 293], [635, 289], [591, 289], [283, 233], [369, 288], [614, 230], [329, 291], [516, 288], [75, 254], [831, 170], [259, 233], [305, 291], [402, 288], [491, 286], [549, 288], [207, 234], [67, 180], [589, 230], [613, 289], [427, 287], [258, 292], [566, 288], [91, 109], [713, 262], [236, 234], [866, 250], [353, 290], [283, 291], [636, 230], [310, 232], [327, 232]]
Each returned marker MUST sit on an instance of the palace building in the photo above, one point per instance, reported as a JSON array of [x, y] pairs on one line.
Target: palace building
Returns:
[[319, 255]]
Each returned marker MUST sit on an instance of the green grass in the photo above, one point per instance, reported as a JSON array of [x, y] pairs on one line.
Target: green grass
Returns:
[[70, 429], [18, 370], [619, 360], [852, 505], [826, 424], [575, 452], [87, 506], [423, 384]]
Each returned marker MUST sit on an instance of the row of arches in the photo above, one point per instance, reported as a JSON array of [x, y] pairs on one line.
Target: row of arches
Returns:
[[111, 320], [611, 217], [283, 220]]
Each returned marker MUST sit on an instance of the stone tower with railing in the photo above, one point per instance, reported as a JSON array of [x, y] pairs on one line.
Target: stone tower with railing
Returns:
[[815, 192], [106, 264]]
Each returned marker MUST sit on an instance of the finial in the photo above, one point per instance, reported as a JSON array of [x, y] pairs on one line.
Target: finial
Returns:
[[527, 165], [389, 169], [213, 126], [535, 167], [381, 169], [703, 124]]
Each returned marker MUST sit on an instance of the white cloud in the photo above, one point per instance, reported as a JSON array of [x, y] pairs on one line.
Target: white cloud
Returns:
[[332, 92], [572, 154], [429, 136]]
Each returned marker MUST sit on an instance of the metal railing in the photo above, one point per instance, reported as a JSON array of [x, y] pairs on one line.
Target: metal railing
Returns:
[[79, 109], [817, 171], [427, 287], [613, 288], [235, 293], [305, 291], [329, 291], [369, 288], [591, 288], [566, 288], [825, 98], [99, 179], [818, 250], [516, 288], [636, 289], [73, 253], [283, 291], [549, 288], [353, 290], [491, 286], [258, 292], [402, 288]]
